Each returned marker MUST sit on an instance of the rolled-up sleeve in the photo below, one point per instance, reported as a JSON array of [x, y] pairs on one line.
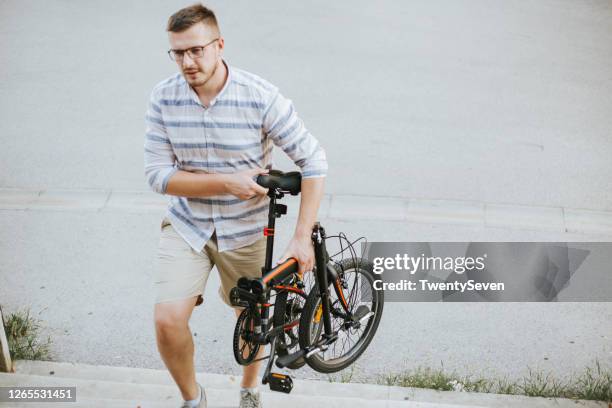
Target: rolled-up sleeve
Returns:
[[159, 158], [287, 131]]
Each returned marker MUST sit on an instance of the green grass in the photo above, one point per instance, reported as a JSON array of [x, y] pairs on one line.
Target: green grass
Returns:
[[436, 379], [344, 376], [594, 383], [23, 332]]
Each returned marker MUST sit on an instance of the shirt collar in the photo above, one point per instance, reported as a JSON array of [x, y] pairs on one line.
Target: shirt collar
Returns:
[[194, 95]]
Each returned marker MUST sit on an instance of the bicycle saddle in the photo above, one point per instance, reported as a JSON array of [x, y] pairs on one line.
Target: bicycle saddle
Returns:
[[290, 182]]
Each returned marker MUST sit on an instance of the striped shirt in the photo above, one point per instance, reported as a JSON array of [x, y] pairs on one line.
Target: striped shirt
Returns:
[[236, 132]]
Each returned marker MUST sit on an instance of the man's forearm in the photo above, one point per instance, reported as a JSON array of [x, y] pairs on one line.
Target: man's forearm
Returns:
[[187, 184], [311, 195]]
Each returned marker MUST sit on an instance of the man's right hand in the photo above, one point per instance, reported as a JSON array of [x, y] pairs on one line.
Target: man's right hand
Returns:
[[243, 185]]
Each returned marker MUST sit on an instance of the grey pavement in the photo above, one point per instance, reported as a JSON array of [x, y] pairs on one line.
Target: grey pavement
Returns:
[[87, 274], [442, 121]]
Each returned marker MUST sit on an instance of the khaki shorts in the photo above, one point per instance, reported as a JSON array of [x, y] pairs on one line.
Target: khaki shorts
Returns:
[[181, 273]]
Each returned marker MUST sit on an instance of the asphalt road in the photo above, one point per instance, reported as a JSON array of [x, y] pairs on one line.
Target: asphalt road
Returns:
[[499, 101]]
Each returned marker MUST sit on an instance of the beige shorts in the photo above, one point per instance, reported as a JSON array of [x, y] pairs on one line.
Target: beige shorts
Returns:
[[181, 273]]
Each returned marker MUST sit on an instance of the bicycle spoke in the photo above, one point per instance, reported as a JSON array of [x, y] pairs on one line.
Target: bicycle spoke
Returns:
[[357, 291]]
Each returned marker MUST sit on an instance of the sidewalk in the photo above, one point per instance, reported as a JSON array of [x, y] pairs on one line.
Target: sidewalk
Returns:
[[114, 387], [82, 261]]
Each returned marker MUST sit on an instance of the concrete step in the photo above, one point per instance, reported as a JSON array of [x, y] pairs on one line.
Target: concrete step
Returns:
[[132, 395], [92, 403], [134, 385]]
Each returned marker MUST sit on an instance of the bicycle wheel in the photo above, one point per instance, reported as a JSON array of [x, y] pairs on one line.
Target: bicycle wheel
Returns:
[[245, 349], [288, 308], [355, 285]]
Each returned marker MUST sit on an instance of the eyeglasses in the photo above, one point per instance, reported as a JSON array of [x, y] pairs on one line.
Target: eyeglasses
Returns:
[[193, 52]]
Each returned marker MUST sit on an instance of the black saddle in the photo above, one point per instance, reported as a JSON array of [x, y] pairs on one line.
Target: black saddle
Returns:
[[290, 182]]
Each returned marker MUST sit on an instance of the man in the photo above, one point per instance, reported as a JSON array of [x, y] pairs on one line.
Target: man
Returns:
[[210, 131]]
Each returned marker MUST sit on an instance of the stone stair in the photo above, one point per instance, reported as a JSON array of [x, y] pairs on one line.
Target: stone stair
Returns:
[[123, 387]]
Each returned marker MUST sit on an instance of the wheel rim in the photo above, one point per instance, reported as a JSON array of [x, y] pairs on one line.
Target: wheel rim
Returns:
[[246, 350], [295, 306], [358, 291]]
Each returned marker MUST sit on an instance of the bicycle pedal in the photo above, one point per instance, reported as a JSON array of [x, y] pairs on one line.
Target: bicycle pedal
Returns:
[[280, 382], [288, 359]]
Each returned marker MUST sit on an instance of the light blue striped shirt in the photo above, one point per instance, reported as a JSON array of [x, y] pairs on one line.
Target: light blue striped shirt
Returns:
[[236, 132]]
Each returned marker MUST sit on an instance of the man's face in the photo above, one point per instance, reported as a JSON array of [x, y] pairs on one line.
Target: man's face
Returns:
[[197, 71]]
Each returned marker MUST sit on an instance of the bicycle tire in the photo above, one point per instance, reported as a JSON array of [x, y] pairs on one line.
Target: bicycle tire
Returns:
[[281, 318], [240, 332], [311, 326], [289, 342]]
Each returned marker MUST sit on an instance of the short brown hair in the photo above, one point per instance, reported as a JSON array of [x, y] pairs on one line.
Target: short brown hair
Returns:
[[188, 16]]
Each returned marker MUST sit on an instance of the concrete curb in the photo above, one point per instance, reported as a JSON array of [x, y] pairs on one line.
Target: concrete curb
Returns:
[[148, 385], [340, 207]]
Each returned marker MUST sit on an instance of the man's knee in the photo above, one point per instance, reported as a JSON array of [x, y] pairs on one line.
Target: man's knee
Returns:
[[171, 317], [238, 310]]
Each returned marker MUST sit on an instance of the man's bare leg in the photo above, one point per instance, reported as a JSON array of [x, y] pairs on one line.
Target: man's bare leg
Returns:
[[249, 372], [175, 343]]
